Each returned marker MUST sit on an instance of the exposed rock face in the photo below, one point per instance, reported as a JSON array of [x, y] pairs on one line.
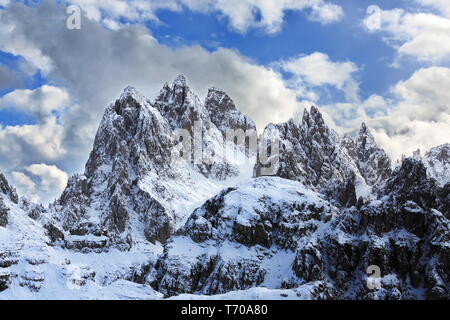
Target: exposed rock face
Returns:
[[133, 142], [437, 162], [183, 110], [274, 224], [373, 162], [264, 212], [233, 241], [310, 152], [8, 190], [225, 115], [443, 200], [9, 193], [409, 182], [135, 185]]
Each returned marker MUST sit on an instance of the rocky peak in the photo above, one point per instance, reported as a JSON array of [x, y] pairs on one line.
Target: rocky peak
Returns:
[[180, 106], [133, 141], [310, 152], [131, 130], [225, 115], [437, 162], [350, 145], [409, 182], [133, 187], [7, 190], [373, 162]]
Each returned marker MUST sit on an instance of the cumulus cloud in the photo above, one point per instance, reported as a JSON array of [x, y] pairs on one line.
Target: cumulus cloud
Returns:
[[40, 102], [8, 78], [417, 115], [25, 186], [49, 181], [241, 14], [424, 36], [20, 145], [317, 69], [94, 66], [441, 5], [421, 118], [14, 42], [51, 178]]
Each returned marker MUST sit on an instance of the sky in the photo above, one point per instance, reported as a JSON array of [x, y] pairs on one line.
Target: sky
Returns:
[[385, 63]]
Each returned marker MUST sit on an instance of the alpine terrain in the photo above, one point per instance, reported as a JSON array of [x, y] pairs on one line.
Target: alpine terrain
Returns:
[[181, 198]]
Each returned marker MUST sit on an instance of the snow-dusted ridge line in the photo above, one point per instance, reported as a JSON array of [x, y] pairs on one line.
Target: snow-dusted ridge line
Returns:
[[139, 225]]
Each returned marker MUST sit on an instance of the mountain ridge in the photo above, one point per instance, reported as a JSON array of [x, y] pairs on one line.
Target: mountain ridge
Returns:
[[308, 221]]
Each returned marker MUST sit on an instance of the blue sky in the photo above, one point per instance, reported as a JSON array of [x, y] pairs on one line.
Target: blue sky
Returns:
[[345, 40], [274, 58]]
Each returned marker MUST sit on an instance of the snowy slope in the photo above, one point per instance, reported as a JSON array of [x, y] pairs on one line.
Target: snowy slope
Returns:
[[136, 187], [145, 221]]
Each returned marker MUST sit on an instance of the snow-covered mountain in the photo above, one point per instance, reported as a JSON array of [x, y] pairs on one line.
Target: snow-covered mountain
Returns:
[[177, 200], [135, 188], [437, 162]]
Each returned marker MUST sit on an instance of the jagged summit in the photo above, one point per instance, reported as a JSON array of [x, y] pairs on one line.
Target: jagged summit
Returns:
[[225, 115], [127, 91], [310, 152], [180, 106], [180, 81], [437, 162], [373, 162], [135, 186], [309, 229], [7, 190]]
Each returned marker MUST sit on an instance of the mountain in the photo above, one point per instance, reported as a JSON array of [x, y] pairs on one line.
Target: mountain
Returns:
[[277, 233], [437, 162], [309, 152], [35, 263], [136, 187], [373, 163], [181, 199]]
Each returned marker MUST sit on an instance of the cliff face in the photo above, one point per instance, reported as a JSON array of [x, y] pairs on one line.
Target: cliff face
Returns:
[[276, 233], [162, 209], [136, 186]]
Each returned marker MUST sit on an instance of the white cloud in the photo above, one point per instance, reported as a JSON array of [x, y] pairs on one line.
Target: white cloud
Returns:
[[418, 115], [21, 144], [242, 14], [51, 178], [441, 5], [424, 36], [13, 41], [317, 69], [421, 118], [25, 186], [40, 102], [49, 181], [98, 72]]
